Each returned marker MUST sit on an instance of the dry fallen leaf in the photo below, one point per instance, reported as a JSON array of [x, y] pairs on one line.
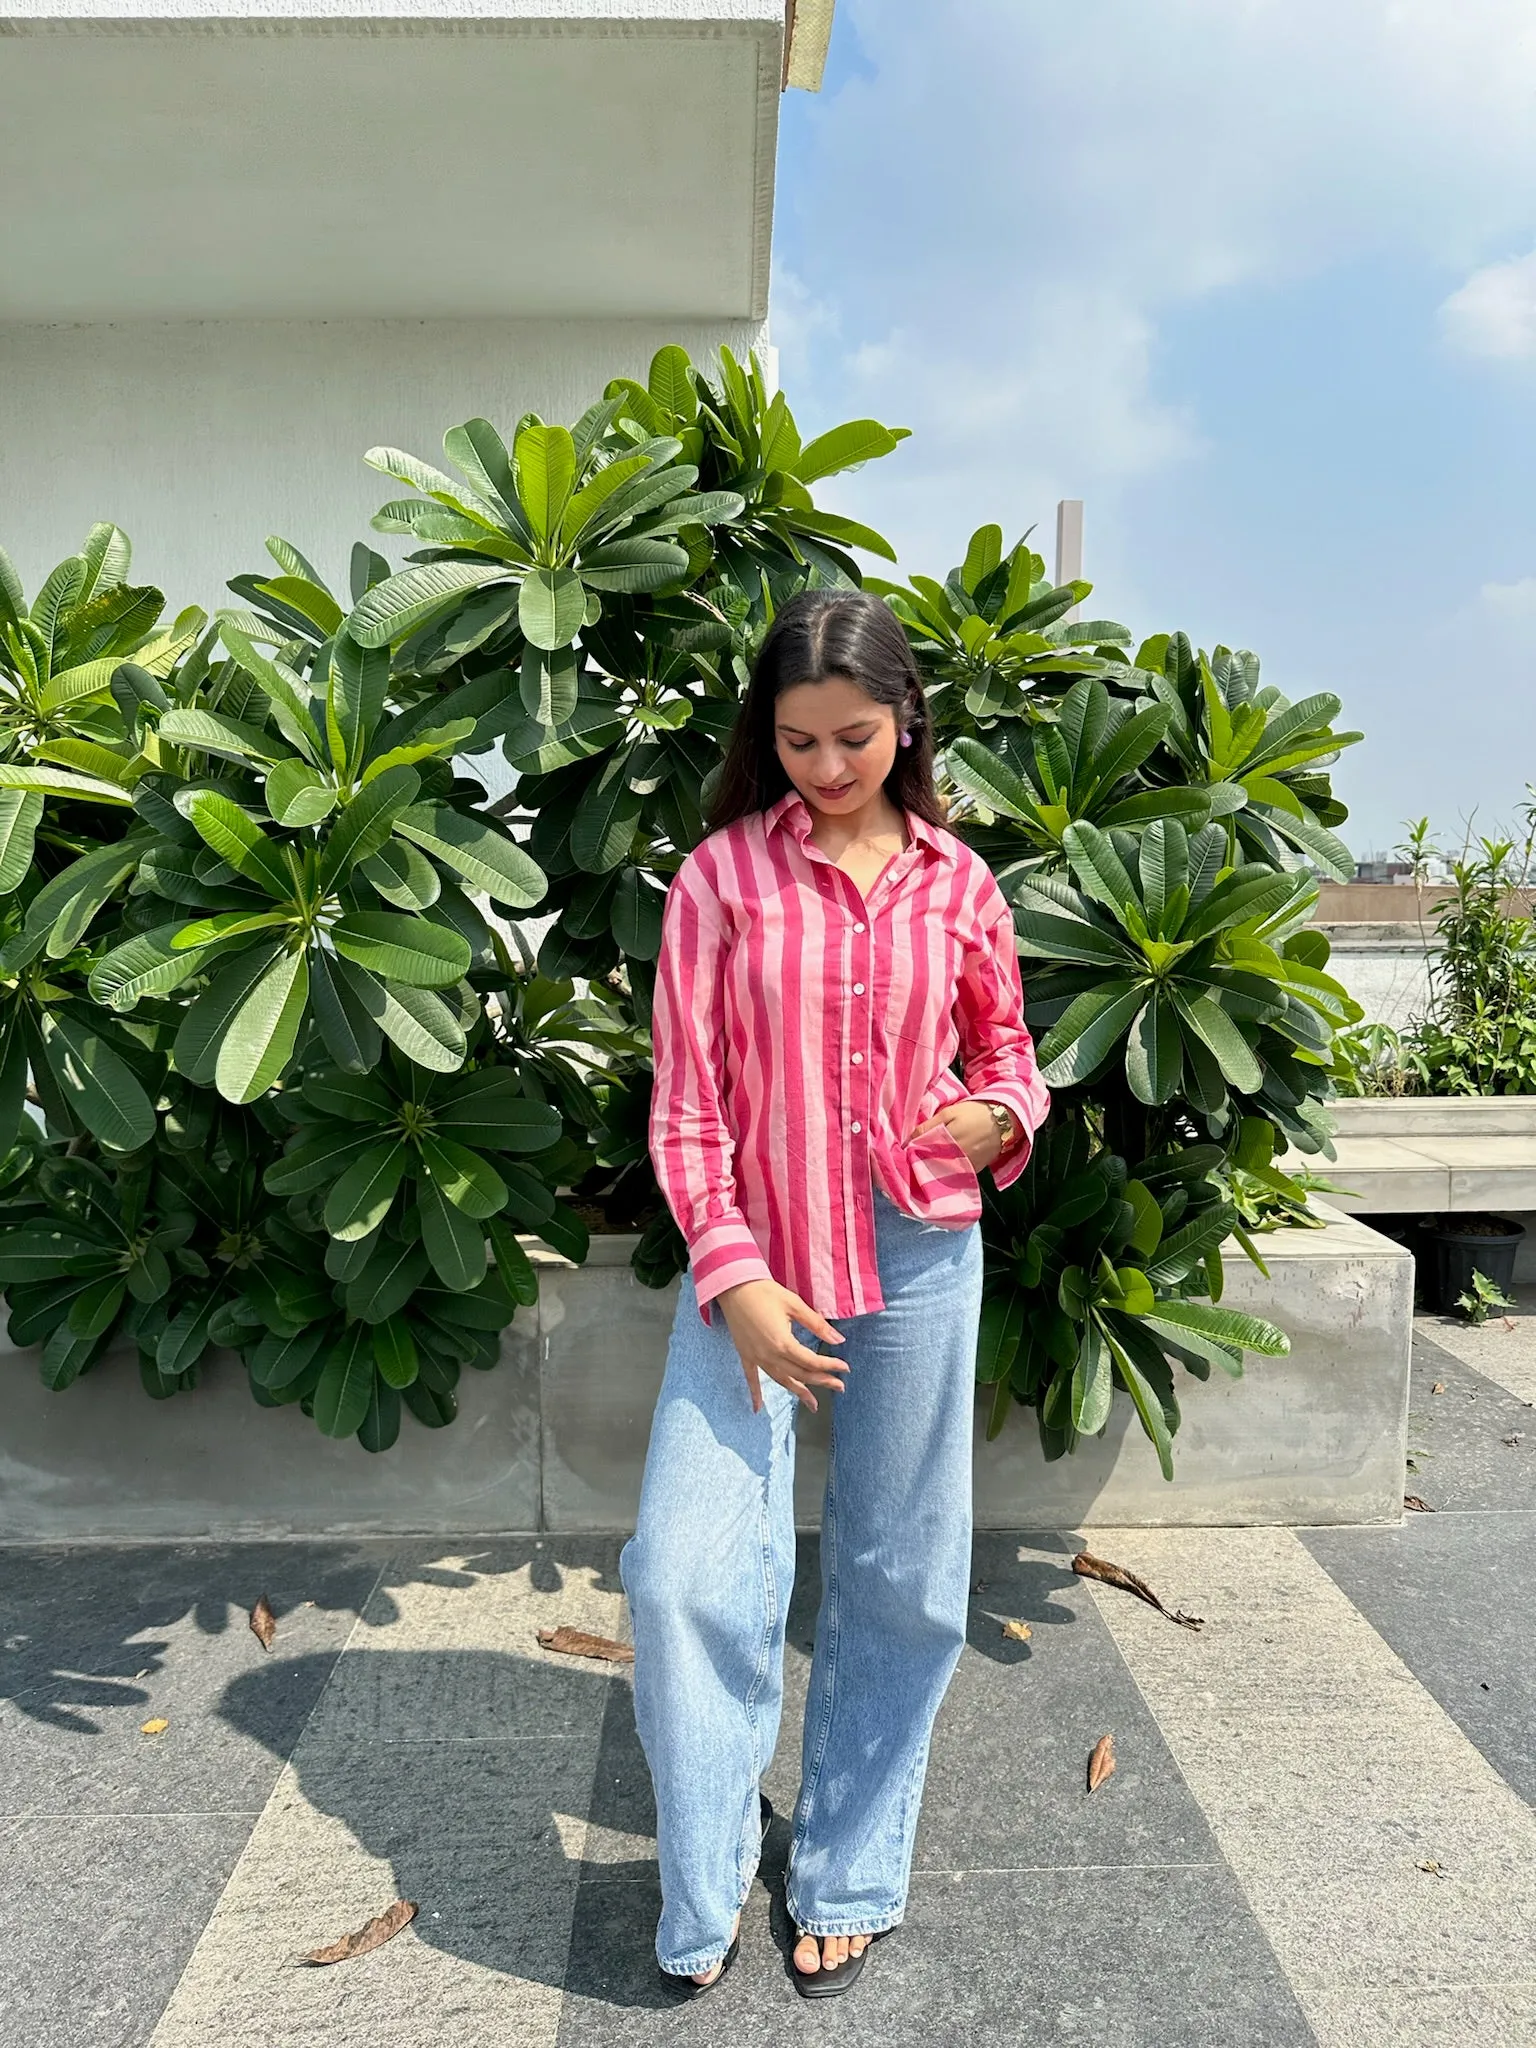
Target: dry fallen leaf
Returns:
[[1514, 1441], [1019, 1631], [156, 1727], [263, 1622], [1432, 1867], [1101, 1764], [1438, 1387], [575, 1642], [1109, 1574], [1419, 1507], [383, 1927]]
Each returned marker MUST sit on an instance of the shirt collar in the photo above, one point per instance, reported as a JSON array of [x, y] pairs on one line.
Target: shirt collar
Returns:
[[792, 811]]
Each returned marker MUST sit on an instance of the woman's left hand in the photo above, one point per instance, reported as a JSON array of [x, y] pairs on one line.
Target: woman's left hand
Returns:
[[974, 1128]]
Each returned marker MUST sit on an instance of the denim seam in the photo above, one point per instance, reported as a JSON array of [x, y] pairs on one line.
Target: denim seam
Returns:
[[823, 1928], [765, 1653], [829, 1547]]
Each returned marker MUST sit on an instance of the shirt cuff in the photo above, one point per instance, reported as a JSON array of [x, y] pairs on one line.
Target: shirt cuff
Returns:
[[724, 1255]]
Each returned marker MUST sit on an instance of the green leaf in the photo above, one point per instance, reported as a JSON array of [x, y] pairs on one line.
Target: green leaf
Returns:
[[206, 1024], [475, 851], [489, 1108], [987, 776], [403, 875], [306, 596], [1088, 1031], [1236, 1058], [469, 1182], [454, 1242], [351, 1035], [1098, 867], [298, 795], [355, 700], [65, 1357], [1148, 1407], [394, 1350], [99, 1086], [513, 1263], [1225, 1326], [1154, 1056], [595, 493], [146, 965], [401, 603], [1060, 938], [95, 1308], [317, 1162], [845, 447], [544, 459], [603, 828], [31, 1253], [185, 1337], [279, 1361], [1093, 1384], [364, 827], [346, 1384], [237, 839], [379, 1429], [390, 1277], [21, 812], [361, 1198], [402, 949], [264, 1031], [65, 907], [59, 782], [551, 607], [284, 691], [210, 732], [414, 1019]]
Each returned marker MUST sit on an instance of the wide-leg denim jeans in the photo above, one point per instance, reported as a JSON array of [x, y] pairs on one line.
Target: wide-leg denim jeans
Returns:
[[708, 1576]]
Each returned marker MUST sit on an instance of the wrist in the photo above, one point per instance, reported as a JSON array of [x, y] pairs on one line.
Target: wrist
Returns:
[[1005, 1123]]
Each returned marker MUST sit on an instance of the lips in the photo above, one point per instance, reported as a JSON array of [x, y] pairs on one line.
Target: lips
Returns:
[[842, 789]]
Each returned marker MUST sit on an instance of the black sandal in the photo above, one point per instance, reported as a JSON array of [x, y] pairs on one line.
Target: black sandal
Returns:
[[685, 1987], [824, 1983]]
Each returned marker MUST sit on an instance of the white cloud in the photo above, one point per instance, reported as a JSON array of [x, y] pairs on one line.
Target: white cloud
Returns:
[[1494, 313], [1512, 602], [1007, 205]]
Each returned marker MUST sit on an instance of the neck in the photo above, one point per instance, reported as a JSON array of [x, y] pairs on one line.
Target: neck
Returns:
[[835, 831]]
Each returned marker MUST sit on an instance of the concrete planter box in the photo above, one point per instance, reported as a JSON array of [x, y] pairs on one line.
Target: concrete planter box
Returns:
[[1431, 1154], [555, 1438]]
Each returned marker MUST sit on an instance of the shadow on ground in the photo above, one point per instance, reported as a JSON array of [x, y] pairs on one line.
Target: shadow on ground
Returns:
[[455, 1766]]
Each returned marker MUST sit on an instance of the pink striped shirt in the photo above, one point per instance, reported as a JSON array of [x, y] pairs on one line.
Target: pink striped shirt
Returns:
[[803, 1031]]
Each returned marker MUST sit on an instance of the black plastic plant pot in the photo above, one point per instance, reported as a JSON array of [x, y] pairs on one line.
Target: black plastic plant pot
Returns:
[[1467, 1244]]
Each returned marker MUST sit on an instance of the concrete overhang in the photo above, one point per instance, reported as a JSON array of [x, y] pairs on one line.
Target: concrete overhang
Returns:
[[231, 159]]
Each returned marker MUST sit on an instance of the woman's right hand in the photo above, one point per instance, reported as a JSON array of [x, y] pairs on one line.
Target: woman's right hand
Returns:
[[758, 1314]]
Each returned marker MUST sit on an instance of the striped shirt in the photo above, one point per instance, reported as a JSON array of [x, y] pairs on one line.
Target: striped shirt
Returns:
[[802, 1032]]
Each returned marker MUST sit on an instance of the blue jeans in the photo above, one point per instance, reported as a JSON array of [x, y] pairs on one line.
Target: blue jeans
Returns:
[[708, 1575]]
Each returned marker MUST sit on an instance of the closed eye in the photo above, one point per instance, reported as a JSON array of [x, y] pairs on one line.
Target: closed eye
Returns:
[[853, 746]]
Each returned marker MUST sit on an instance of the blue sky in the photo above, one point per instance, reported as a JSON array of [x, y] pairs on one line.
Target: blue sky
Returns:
[[1255, 280]]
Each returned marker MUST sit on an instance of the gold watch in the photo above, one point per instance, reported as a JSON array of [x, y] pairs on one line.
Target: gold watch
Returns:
[[1007, 1130]]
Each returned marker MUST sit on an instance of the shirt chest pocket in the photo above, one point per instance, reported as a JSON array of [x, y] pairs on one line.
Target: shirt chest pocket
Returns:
[[921, 983]]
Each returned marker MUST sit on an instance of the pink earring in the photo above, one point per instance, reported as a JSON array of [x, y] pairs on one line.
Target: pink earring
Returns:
[[906, 739]]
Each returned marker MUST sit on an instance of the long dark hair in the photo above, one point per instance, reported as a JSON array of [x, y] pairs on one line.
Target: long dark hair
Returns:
[[819, 634]]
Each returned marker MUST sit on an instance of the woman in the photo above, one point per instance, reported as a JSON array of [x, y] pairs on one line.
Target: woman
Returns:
[[827, 951]]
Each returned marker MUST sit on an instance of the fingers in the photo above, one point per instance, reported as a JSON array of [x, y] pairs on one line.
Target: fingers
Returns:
[[754, 1386], [810, 1319]]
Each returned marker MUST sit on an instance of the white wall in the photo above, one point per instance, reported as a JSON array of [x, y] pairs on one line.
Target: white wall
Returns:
[[200, 438]]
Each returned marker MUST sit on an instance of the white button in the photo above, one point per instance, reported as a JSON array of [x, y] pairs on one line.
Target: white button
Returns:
[[858, 988], [858, 1059], [858, 927], [856, 1127]]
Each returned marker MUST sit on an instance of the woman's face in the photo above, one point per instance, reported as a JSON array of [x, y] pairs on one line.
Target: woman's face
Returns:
[[836, 743]]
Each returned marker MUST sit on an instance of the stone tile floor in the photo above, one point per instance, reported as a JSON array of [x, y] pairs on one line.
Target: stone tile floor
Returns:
[[1360, 1704]]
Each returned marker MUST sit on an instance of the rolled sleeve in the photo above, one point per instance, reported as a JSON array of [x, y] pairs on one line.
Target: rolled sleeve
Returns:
[[996, 1050], [691, 1144]]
